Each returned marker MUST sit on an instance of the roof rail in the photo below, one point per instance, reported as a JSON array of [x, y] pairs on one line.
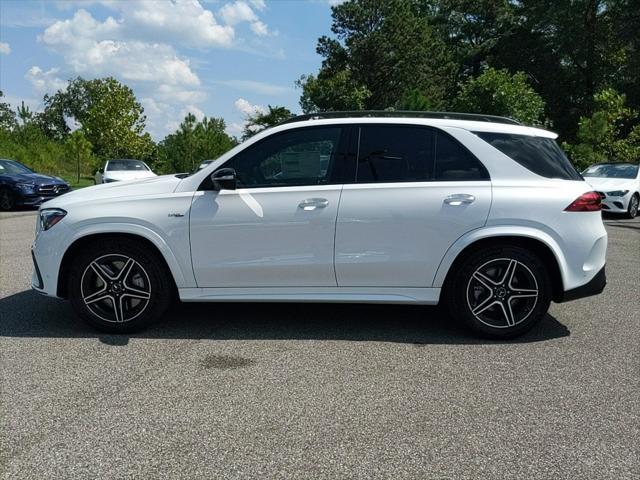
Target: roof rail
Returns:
[[402, 113]]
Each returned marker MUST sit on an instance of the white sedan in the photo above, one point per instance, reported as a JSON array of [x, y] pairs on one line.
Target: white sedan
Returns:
[[618, 185], [122, 170]]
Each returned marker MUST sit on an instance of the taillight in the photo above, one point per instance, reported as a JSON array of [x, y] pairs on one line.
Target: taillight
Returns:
[[587, 202]]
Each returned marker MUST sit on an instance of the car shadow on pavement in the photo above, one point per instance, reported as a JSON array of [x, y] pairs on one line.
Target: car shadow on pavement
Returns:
[[28, 314]]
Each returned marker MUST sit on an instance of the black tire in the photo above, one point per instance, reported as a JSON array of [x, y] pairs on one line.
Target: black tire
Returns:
[[483, 293], [99, 278], [634, 205], [7, 202]]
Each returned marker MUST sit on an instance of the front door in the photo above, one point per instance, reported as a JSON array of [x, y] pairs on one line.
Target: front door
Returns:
[[277, 229]]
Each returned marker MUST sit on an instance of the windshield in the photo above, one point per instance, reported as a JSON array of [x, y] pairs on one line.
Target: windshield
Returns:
[[11, 167], [612, 170], [126, 165]]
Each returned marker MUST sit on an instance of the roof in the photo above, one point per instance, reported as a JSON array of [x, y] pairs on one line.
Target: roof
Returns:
[[470, 122], [401, 114]]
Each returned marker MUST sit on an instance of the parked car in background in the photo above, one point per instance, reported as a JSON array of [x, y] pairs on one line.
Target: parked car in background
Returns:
[[123, 169], [618, 184], [478, 213], [21, 187]]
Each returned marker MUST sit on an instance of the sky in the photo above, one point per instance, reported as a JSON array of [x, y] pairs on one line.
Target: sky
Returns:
[[214, 58]]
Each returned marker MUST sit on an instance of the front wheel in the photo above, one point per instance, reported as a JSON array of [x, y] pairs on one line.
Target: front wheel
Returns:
[[634, 203], [7, 201], [119, 287], [500, 292]]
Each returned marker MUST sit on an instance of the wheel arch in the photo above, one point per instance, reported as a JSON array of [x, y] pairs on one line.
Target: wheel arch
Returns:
[[90, 238], [457, 255]]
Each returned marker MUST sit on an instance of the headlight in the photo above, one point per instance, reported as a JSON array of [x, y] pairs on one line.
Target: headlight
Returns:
[[25, 186], [618, 193], [50, 216]]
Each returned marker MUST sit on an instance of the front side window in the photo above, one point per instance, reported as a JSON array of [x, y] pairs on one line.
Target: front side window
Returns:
[[395, 153], [293, 158], [539, 155]]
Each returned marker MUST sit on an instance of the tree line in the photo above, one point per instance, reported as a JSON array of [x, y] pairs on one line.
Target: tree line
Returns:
[[568, 65]]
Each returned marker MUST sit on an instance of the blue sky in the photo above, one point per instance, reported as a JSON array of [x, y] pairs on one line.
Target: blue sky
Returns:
[[222, 58]]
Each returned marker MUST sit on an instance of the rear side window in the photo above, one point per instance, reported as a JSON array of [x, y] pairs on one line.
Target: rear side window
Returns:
[[456, 163], [539, 155], [399, 153], [395, 153]]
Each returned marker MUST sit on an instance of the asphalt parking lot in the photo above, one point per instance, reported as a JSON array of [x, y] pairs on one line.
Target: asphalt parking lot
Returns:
[[319, 391]]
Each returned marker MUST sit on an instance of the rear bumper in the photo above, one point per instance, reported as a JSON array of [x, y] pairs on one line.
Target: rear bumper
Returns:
[[593, 287]]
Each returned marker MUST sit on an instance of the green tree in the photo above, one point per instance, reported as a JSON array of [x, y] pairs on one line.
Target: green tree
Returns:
[[573, 49], [111, 118], [382, 49], [496, 92], [194, 142], [416, 101], [472, 29], [261, 120], [79, 150], [8, 120], [610, 134]]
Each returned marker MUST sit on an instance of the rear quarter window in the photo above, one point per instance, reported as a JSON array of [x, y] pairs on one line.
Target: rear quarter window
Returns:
[[539, 155]]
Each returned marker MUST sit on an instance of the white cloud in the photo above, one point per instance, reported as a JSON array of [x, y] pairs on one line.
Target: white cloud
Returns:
[[180, 21], [259, 28], [199, 114], [258, 4], [235, 129], [237, 12], [5, 48], [255, 87], [183, 22], [92, 47], [247, 108], [138, 43], [44, 82]]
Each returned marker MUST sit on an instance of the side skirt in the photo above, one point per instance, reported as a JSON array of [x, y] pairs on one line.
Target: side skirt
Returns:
[[422, 296]]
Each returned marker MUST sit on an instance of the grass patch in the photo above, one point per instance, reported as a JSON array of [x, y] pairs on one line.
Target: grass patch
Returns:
[[73, 183]]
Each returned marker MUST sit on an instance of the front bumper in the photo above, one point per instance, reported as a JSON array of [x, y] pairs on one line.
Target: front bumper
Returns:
[[615, 204], [33, 200], [594, 287], [36, 279]]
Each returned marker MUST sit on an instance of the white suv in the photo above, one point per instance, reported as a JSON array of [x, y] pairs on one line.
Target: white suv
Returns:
[[479, 213]]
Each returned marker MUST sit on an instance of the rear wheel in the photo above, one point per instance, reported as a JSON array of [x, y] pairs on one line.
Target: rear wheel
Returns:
[[500, 292], [119, 287], [634, 204], [7, 201]]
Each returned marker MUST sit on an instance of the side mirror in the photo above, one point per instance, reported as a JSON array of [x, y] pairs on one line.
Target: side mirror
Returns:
[[224, 179], [101, 171]]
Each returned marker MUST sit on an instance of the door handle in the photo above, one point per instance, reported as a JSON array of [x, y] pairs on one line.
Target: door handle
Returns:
[[459, 199], [313, 203]]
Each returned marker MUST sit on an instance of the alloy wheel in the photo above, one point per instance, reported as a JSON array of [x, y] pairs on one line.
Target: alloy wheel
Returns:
[[633, 206], [115, 288], [6, 203], [502, 293]]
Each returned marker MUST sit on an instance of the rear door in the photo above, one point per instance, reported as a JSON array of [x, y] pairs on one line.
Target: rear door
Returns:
[[415, 191]]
